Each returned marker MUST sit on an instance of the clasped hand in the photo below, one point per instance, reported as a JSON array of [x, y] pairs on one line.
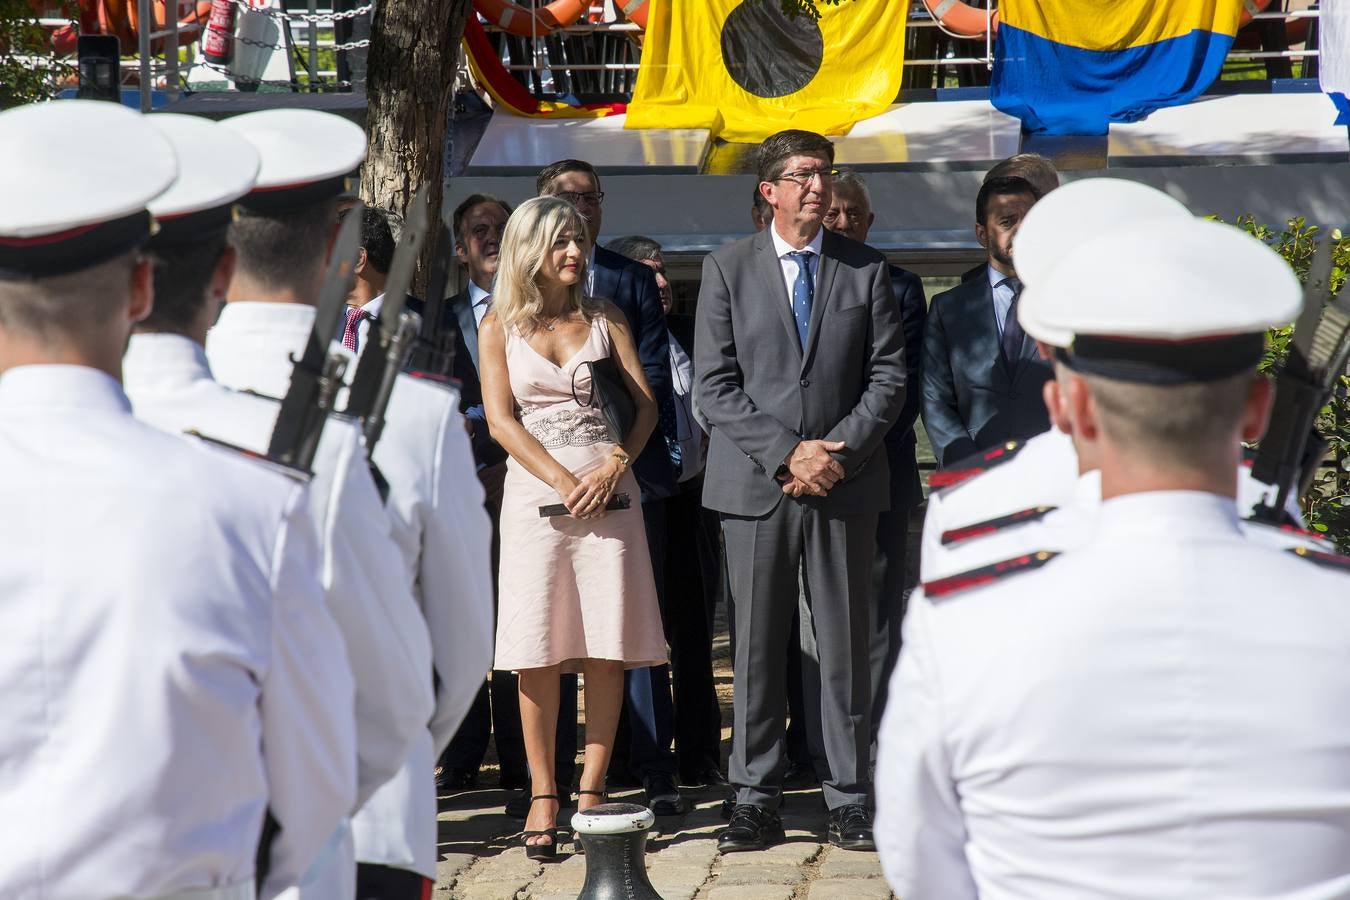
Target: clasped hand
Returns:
[[812, 470], [585, 497]]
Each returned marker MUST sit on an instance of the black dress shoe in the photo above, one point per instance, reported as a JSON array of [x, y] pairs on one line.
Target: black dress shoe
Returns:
[[799, 776], [511, 780], [456, 780], [851, 828], [709, 776], [664, 798], [750, 828]]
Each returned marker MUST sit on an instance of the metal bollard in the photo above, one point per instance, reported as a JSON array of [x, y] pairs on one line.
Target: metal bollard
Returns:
[[615, 838]]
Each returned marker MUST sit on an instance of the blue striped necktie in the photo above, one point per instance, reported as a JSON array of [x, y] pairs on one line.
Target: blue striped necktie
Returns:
[[803, 293]]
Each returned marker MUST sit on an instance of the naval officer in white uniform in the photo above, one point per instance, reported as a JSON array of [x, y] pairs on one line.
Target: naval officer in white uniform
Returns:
[[1157, 713], [1043, 471], [170, 386], [171, 673], [435, 500]]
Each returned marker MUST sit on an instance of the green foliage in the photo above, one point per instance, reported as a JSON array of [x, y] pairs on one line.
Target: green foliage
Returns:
[[1327, 504], [21, 36]]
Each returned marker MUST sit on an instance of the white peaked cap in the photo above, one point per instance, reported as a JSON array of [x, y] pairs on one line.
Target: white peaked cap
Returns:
[[216, 165], [63, 206], [1177, 284], [1076, 213], [306, 155]]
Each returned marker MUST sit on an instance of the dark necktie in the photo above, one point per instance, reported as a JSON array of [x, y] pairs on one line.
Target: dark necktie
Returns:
[[1012, 329], [355, 316], [803, 293]]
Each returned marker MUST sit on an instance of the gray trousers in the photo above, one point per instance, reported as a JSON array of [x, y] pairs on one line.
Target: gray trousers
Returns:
[[834, 555]]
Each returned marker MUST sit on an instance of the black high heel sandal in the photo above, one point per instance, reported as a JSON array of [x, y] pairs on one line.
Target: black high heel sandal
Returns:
[[580, 849], [541, 851]]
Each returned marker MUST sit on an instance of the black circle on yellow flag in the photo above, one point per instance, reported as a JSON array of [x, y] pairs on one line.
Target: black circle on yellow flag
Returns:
[[769, 53]]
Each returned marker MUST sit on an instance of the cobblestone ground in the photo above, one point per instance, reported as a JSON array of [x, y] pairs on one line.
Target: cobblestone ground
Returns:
[[481, 858]]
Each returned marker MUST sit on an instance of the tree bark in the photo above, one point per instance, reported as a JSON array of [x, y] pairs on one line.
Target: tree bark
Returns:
[[414, 52]]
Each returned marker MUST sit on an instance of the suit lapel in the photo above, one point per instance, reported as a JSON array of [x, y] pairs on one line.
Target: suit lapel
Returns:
[[771, 273], [824, 282], [984, 325], [468, 328]]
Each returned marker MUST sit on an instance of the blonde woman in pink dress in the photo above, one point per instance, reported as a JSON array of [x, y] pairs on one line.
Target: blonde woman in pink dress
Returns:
[[575, 591]]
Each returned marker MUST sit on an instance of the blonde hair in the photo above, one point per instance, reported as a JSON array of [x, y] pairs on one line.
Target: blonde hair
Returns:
[[530, 233]]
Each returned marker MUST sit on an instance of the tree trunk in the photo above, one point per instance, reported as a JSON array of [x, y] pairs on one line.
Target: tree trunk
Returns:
[[414, 52]]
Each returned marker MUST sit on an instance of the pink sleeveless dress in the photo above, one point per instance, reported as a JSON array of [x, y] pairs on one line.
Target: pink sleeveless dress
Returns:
[[570, 589]]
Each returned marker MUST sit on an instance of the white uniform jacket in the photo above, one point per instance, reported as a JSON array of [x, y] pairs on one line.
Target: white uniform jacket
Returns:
[[1044, 472], [1154, 714], [436, 507], [170, 386], [168, 660]]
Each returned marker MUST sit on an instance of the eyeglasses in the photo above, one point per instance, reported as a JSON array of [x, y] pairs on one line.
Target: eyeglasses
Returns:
[[590, 198], [803, 178], [853, 216]]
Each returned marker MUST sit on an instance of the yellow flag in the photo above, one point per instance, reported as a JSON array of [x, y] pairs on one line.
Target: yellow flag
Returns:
[[745, 69]]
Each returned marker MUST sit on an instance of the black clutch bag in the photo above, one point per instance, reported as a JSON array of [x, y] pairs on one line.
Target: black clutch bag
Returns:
[[610, 396]]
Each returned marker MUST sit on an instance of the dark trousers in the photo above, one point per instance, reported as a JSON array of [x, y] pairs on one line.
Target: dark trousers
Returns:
[[764, 556], [384, 883], [888, 609], [496, 708], [648, 712], [693, 574]]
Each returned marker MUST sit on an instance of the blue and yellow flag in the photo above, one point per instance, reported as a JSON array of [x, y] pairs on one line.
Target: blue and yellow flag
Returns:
[[1074, 66], [745, 69]]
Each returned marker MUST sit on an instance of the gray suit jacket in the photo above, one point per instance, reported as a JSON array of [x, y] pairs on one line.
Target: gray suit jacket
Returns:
[[972, 399], [763, 394]]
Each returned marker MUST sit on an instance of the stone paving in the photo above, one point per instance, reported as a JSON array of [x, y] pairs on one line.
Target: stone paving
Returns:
[[481, 859]]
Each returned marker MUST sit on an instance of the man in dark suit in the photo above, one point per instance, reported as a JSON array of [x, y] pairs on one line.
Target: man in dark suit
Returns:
[[799, 362], [851, 215], [982, 376], [631, 287]]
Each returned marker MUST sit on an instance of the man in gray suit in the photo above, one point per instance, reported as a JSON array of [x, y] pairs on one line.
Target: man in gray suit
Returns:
[[800, 368], [982, 377]]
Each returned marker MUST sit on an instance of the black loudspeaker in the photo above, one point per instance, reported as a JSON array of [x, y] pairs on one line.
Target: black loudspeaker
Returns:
[[100, 76]]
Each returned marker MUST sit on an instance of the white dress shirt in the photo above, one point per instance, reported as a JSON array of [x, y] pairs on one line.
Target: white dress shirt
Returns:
[[789, 265], [169, 662], [1154, 714], [387, 645], [372, 310], [1003, 296], [689, 434], [443, 532], [479, 302]]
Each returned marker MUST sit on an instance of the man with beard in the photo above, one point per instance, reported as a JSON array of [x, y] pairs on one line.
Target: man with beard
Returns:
[[982, 377]]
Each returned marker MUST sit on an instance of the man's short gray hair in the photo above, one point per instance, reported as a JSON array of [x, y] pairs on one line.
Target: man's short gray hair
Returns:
[[635, 247], [851, 180], [50, 309]]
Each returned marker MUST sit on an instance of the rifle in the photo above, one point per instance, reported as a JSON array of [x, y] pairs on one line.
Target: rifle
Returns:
[[391, 335], [317, 374], [434, 352], [1318, 351]]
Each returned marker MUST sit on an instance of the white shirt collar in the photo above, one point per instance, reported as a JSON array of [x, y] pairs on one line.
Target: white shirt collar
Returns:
[[782, 248], [160, 361], [476, 294], [995, 276], [1168, 515], [373, 307], [52, 386]]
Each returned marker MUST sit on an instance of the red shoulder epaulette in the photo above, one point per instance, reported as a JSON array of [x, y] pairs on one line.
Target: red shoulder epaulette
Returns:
[[954, 584], [989, 526], [1291, 529], [971, 466], [1323, 558]]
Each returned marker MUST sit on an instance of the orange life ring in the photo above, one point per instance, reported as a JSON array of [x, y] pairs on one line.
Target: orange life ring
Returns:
[[1249, 9], [122, 18], [516, 19], [962, 18], [635, 11], [967, 21]]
